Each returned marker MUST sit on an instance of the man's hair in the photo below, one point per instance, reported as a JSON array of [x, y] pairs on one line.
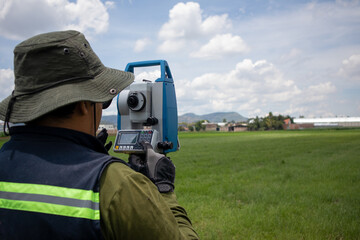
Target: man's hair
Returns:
[[63, 112], [59, 114]]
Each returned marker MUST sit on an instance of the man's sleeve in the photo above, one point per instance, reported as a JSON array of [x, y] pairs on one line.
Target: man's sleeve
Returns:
[[131, 207]]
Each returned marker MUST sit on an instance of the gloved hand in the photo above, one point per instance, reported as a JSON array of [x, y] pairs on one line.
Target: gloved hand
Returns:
[[158, 168], [102, 136]]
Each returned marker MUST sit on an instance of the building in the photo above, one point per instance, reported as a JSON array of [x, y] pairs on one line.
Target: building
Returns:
[[225, 127], [210, 126], [111, 129], [239, 127], [302, 123]]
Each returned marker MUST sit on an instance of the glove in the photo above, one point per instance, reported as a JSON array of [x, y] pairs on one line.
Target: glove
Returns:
[[102, 136], [158, 168]]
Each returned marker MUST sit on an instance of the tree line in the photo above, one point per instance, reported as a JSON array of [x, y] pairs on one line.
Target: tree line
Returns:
[[198, 126], [270, 122]]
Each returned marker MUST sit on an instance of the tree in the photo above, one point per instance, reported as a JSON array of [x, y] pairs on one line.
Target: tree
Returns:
[[191, 128], [181, 128], [199, 126], [270, 122], [254, 124]]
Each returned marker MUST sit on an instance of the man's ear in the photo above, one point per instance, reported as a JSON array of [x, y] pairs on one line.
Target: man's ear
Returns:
[[83, 107]]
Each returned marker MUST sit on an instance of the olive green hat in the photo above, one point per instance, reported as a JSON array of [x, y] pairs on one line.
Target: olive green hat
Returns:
[[55, 69]]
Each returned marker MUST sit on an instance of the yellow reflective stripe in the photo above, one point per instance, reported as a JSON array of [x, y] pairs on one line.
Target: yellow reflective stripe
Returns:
[[48, 199], [50, 190], [50, 209]]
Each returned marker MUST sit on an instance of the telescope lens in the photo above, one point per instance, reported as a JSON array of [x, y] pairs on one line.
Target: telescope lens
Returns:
[[132, 101], [136, 101]]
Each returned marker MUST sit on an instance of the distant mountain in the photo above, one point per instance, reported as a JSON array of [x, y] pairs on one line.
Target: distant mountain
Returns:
[[212, 117], [110, 119], [191, 118]]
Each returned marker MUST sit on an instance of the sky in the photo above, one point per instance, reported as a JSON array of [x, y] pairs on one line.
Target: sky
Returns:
[[297, 58]]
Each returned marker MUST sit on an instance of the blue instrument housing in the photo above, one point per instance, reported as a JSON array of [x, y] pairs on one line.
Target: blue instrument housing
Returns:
[[167, 112]]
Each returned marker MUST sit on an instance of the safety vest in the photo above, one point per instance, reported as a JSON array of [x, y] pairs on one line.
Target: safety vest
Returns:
[[49, 186]]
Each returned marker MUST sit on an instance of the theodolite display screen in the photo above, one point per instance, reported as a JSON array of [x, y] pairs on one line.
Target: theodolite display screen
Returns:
[[128, 138], [129, 141]]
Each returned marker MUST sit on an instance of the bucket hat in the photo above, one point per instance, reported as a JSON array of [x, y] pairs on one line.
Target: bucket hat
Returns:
[[55, 69]]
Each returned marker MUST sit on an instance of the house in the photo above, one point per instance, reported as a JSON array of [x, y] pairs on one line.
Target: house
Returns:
[[111, 129], [211, 126], [225, 127], [238, 127], [287, 121]]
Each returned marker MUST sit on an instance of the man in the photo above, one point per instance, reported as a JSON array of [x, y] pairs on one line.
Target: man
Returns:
[[57, 180]]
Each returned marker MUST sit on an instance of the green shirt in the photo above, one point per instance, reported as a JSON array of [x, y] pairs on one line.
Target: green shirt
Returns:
[[131, 207]]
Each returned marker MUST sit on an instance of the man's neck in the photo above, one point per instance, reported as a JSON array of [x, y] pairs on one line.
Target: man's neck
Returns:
[[73, 123]]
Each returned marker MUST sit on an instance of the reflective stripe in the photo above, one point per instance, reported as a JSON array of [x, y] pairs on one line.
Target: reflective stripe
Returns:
[[49, 190], [50, 199]]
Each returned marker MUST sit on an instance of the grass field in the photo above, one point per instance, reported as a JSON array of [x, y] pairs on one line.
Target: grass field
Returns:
[[271, 185]]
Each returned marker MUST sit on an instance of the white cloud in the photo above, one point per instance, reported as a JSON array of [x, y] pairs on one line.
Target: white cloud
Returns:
[[147, 75], [351, 68], [220, 45], [347, 3], [293, 54], [251, 88], [6, 82], [319, 92], [141, 44], [170, 46], [20, 19], [186, 24], [110, 4], [311, 28], [215, 24]]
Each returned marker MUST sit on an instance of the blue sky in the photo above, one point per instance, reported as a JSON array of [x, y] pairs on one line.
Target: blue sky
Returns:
[[251, 57]]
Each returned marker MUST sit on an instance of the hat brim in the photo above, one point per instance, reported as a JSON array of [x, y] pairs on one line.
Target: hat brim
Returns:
[[101, 88]]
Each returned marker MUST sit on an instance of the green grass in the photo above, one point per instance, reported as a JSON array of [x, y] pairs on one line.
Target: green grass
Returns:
[[3, 140], [271, 185]]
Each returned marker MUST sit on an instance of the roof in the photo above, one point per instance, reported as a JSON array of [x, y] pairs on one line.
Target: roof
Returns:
[[326, 120], [287, 121], [108, 126]]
